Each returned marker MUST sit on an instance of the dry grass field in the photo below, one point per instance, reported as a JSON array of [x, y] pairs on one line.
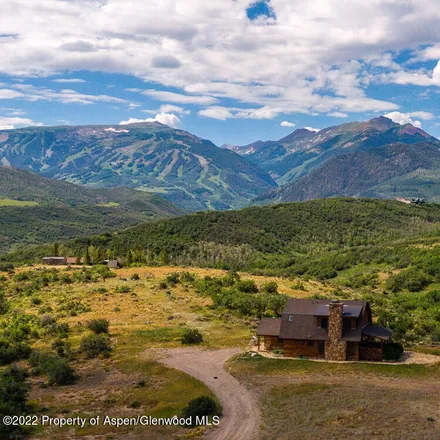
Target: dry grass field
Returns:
[[298, 399]]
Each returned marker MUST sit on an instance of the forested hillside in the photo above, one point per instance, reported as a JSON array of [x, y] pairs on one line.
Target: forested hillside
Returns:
[[36, 210], [384, 251], [189, 171]]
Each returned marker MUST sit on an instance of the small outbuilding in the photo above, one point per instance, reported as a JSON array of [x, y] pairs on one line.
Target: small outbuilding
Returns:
[[54, 261]]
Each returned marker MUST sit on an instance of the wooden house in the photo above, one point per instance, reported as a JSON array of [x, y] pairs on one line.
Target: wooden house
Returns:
[[333, 330]]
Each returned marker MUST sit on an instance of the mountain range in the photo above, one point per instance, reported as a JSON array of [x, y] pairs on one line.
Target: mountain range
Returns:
[[375, 158], [185, 169], [35, 210]]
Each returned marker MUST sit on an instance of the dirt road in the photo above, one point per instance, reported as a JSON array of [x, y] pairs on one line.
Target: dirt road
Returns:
[[241, 414]]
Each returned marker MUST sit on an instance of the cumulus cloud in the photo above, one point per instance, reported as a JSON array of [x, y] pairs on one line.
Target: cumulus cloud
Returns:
[[407, 118], [287, 124], [165, 62], [313, 129], [9, 123], [164, 118], [322, 59]]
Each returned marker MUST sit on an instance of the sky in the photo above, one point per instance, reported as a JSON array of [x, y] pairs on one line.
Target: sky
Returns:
[[232, 71]]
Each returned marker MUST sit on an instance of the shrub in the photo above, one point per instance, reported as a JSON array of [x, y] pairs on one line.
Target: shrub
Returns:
[[94, 345], [57, 369], [201, 406], [62, 348], [173, 278], [122, 289], [14, 389], [98, 325], [192, 336], [11, 351], [246, 286], [47, 320], [187, 277], [270, 287], [36, 301], [412, 279], [135, 277], [59, 372], [392, 351], [5, 267], [3, 303]]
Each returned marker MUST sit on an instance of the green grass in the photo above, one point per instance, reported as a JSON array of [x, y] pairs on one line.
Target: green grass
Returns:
[[264, 366], [17, 203], [426, 350], [345, 411]]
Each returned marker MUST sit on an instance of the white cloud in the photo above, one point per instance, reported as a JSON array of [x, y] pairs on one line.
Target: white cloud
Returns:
[[161, 95], [69, 80], [223, 113], [168, 108], [287, 124], [338, 114], [211, 50], [220, 113], [164, 118], [403, 118], [31, 93], [9, 123], [312, 129]]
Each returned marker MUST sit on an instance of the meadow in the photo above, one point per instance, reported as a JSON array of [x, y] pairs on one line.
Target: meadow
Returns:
[[149, 309]]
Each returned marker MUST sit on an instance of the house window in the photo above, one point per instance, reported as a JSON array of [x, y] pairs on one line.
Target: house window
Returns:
[[291, 318], [324, 323], [310, 343]]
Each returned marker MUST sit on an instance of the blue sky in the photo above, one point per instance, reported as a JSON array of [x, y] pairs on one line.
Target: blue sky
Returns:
[[230, 71]]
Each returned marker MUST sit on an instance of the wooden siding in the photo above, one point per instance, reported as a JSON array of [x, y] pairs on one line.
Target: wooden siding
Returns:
[[296, 347], [272, 343]]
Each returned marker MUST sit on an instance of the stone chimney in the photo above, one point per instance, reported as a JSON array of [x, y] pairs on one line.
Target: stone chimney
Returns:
[[335, 348]]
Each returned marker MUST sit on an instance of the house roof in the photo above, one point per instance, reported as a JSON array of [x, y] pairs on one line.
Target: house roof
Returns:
[[376, 331], [269, 327], [349, 310], [54, 258], [299, 319], [319, 307], [301, 327]]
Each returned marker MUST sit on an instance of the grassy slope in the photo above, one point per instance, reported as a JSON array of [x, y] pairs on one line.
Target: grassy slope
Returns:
[[330, 400], [342, 401]]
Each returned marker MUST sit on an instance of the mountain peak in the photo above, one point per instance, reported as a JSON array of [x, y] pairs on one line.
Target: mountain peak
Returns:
[[381, 123], [299, 133]]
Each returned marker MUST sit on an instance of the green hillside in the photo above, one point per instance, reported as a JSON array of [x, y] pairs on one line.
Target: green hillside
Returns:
[[386, 252], [390, 171], [190, 172], [36, 210]]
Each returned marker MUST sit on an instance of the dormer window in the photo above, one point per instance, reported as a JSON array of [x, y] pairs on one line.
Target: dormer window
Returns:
[[290, 318]]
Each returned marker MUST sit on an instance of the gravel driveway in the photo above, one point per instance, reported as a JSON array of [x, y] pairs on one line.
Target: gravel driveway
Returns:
[[241, 414]]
